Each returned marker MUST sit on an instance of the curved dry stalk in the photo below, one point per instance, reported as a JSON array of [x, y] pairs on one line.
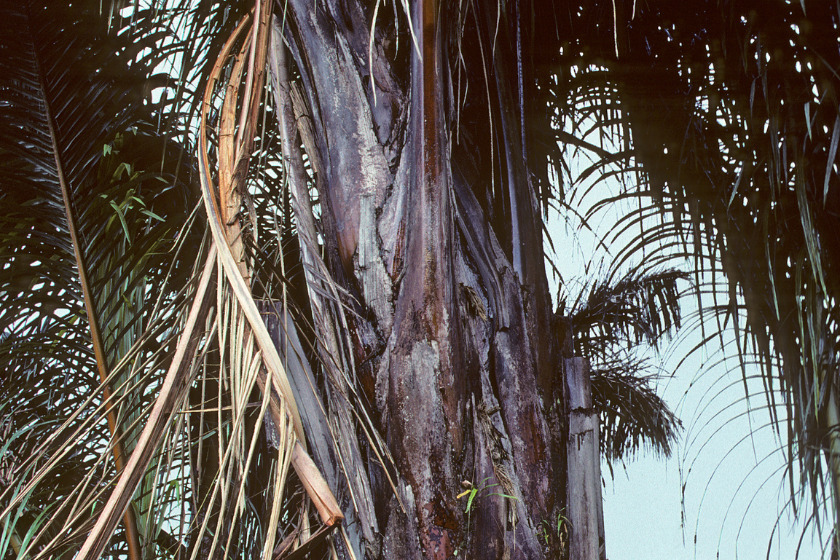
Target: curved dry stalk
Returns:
[[229, 263], [231, 186]]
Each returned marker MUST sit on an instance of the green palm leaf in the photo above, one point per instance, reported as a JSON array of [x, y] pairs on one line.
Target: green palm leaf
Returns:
[[81, 237]]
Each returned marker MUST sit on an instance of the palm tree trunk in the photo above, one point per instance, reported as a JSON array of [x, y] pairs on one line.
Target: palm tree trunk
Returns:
[[446, 327], [585, 514]]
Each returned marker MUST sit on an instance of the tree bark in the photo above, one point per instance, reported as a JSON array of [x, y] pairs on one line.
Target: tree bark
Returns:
[[449, 332]]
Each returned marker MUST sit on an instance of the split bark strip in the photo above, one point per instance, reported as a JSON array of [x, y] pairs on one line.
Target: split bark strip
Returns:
[[174, 387], [317, 488], [229, 194], [129, 519], [293, 167], [318, 276]]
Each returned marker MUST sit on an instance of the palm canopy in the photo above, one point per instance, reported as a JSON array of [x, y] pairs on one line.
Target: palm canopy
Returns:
[[122, 337], [731, 113]]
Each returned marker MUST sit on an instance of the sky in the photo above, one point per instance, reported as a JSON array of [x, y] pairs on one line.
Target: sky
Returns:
[[736, 493], [735, 490]]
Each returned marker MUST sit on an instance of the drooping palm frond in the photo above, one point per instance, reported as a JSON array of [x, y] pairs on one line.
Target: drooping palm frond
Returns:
[[180, 42], [633, 309], [632, 414], [731, 115], [768, 197], [610, 320]]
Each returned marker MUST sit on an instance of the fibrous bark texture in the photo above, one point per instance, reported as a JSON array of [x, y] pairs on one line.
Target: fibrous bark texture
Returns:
[[446, 291]]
